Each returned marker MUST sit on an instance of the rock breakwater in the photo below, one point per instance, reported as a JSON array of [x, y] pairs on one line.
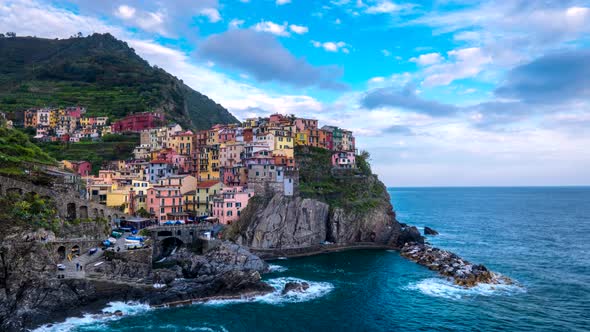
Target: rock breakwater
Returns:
[[448, 264]]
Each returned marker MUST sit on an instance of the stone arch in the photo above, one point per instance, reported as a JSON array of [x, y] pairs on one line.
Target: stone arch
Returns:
[[14, 191], [61, 252], [169, 243], [164, 233], [71, 211], [179, 232], [76, 250], [83, 212], [95, 213], [101, 213]]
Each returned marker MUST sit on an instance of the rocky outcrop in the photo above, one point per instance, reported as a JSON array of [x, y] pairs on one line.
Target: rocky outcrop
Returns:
[[450, 265], [283, 222], [293, 222], [429, 231], [31, 294], [292, 286]]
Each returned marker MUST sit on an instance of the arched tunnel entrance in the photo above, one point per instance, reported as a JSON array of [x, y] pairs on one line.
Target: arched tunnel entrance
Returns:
[[61, 252], [169, 245]]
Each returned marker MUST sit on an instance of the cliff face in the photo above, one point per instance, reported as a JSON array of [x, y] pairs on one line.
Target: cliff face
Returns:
[[295, 222], [284, 222]]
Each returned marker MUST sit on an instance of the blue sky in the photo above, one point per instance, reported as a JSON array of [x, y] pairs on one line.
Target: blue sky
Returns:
[[441, 93]]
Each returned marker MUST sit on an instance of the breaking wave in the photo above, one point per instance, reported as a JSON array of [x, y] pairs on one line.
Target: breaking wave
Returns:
[[438, 287], [277, 268], [127, 308]]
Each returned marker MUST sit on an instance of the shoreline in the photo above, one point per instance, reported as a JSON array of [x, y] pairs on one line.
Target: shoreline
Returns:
[[274, 254]]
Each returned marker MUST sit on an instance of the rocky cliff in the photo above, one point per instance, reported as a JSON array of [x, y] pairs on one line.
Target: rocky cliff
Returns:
[[31, 293], [345, 209]]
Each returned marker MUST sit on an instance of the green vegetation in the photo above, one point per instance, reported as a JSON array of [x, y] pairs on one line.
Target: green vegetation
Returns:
[[352, 189], [100, 73], [112, 147], [18, 153], [29, 211]]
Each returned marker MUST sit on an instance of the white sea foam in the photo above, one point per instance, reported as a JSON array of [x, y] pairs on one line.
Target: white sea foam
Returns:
[[438, 287], [128, 308], [282, 258], [276, 268], [316, 290]]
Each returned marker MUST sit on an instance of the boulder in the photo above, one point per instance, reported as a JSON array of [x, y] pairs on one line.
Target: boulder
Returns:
[[295, 287], [450, 265], [429, 231]]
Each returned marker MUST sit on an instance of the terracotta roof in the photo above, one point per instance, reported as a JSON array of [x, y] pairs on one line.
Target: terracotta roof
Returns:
[[207, 184]]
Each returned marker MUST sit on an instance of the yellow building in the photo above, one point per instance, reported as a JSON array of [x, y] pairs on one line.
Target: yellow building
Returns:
[[197, 201], [181, 143], [301, 138], [117, 198], [210, 170], [283, 144]]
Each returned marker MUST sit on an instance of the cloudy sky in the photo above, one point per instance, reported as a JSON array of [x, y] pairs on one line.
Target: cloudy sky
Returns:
[[441, 92]]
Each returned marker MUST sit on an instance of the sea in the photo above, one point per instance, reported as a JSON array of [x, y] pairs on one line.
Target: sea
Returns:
[[538, 236]]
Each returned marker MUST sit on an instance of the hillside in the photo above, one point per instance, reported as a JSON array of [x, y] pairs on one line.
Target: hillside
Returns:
[[16, 152], [100, 73]]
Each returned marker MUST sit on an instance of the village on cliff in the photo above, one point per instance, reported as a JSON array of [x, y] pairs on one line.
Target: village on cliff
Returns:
[[179, 176]]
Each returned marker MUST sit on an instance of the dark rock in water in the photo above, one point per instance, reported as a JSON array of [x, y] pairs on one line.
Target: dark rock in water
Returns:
[[450, 265], [118, 313], [429, 231], [295, 287], [409, 235]]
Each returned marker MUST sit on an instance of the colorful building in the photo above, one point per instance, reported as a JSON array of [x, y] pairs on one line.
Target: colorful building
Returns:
[[343, 159], [229, 203], [138, 122]]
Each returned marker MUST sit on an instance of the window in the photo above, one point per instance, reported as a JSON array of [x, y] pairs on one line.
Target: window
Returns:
[[229, 205], [161, 210]]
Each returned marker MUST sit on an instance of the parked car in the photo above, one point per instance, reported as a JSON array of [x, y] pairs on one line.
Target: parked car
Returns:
[[61, 267], [92, 251]]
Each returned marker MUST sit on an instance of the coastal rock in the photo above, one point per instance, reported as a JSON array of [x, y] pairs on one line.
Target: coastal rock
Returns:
[[407, 234], [295, 287], [283, 222], [223, 258], [450, 265], [31, 294], [429, 231]]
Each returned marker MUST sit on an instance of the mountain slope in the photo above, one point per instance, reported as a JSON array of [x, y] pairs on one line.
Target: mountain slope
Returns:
[[101, 73]]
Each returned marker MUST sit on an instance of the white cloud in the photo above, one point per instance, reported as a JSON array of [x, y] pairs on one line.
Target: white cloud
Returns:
[[385, 7], [212, 14], [332, 46], [465, 63], [274, 28], [282, 2], [235, 23], [125, 12], [298, 29], [337, 21], [386, 53], [427, 59]]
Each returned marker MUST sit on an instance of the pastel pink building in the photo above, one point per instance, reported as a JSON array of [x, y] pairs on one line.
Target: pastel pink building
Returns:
[[229, 203], [165, 204], [343, 159]]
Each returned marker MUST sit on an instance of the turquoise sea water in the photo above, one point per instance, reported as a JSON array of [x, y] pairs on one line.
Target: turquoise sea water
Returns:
[[538, 236]]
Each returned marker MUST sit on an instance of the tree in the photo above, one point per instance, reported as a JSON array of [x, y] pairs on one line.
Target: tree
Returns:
[[1, 35], [10, 34]]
